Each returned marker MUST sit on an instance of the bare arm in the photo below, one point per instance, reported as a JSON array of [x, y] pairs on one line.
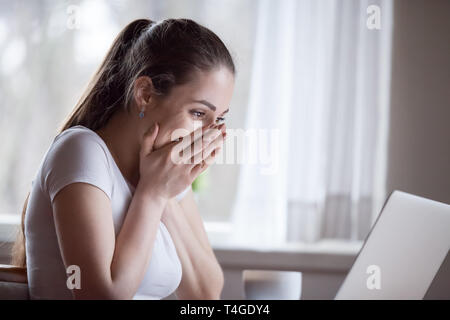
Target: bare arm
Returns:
[[110, 268], [192, 214], [113, 268], [202, 275]]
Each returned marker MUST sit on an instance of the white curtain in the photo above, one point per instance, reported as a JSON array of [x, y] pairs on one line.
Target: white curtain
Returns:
[[320, 81]]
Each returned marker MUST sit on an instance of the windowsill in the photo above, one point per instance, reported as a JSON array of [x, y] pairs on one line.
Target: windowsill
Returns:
[[327, 255], [219, 234]]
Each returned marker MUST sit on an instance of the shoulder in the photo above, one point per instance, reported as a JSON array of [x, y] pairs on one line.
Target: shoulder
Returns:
[[77, 154], [79, 137], [76, 144]]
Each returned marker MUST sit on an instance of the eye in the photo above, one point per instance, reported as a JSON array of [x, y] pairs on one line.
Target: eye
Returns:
[[197, 114], [220, 120]]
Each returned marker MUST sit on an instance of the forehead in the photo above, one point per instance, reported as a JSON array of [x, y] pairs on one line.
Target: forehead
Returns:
[[215, 86]]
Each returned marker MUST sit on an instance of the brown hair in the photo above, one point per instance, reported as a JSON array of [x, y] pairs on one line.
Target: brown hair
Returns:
[[169, 52]]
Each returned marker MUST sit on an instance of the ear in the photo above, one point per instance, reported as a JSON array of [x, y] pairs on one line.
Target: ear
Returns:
[[142, 92]]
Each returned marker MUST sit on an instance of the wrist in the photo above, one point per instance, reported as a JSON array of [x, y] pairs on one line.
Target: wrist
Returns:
[[148, 194], [168, 210]]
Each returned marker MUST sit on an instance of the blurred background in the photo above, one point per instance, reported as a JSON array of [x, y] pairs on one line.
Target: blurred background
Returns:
[[357, 92], [49, 50]]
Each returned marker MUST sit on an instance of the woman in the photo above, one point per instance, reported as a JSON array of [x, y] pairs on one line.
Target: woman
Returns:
[[111, 214]]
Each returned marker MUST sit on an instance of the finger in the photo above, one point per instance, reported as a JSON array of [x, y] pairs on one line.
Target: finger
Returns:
[[207, 150], [213, 156], [194, 135], [201, 167], [176, 149], [223, 127], [218, 143], [148, 139], [201, 134], [223, 130], [193, 154], [196, 170]]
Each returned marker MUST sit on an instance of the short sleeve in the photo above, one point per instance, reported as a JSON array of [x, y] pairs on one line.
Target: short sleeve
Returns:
[[76, 156], [182, 194]]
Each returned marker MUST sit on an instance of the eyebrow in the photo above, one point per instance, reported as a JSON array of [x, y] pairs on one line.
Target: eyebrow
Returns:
[[206, 103], [210, 105]]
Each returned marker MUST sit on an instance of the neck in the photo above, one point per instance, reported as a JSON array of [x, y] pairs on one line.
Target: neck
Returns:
[[121, 137]]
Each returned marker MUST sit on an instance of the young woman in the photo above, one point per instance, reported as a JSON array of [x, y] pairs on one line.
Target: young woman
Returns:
[[111, 214]]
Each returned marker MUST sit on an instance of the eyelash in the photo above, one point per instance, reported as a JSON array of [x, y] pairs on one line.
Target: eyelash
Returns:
[[199, 114], [220, 120]]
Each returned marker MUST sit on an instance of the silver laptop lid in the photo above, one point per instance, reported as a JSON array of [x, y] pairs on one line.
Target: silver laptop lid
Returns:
[[403, 251]]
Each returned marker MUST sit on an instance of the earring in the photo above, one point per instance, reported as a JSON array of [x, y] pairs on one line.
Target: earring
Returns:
[[141, 114]]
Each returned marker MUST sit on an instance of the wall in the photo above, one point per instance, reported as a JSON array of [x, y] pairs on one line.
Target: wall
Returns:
[[419, 143], [419, 139]]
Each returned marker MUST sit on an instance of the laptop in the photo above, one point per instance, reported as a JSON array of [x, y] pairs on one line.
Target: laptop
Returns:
[[403, 251]]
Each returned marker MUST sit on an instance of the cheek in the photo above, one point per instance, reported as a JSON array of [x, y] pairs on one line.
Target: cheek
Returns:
[[170, 127], [185, 122]]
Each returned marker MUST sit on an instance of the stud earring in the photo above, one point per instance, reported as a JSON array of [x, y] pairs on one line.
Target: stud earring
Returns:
[[141, 114]]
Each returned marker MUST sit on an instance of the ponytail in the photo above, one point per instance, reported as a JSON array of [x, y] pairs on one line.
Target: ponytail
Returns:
[[94, 108], [105, 90]]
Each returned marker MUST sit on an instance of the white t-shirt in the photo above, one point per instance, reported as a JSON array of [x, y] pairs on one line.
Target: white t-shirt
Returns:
[[79, 154]]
